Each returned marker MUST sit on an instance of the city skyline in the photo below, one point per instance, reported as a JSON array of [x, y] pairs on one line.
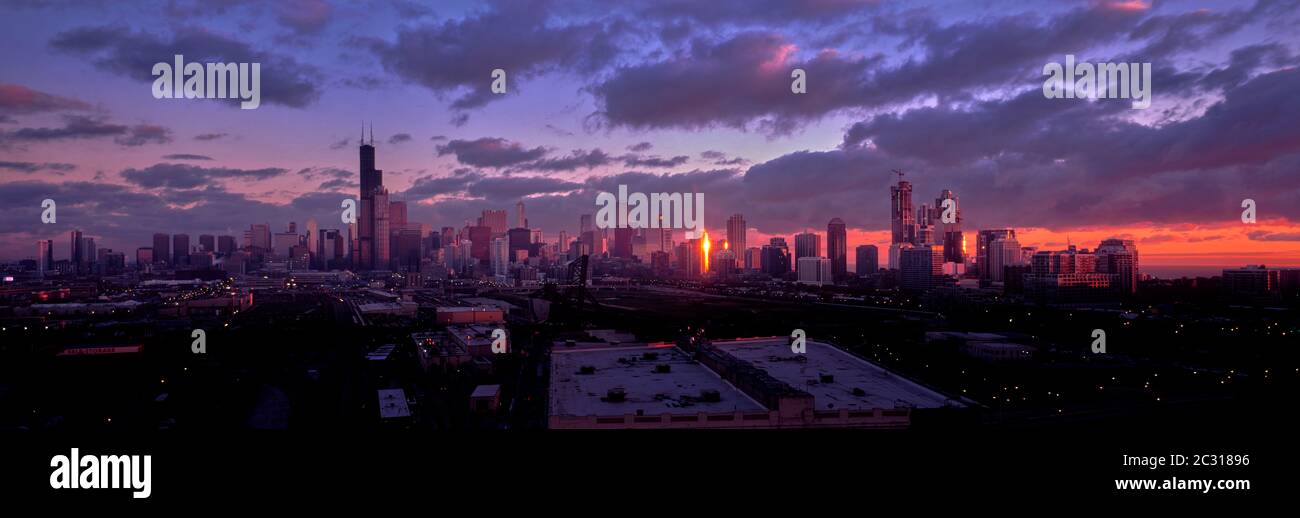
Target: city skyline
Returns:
[[123, 166]]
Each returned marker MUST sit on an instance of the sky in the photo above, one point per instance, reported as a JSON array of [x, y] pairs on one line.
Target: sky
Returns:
[[663, 96]]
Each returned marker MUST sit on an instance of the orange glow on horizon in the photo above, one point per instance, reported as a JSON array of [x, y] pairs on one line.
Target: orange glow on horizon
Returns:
[[1228, 244]]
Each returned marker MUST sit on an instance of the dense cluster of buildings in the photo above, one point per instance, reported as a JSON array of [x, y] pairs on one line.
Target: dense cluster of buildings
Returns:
[[928, 250]]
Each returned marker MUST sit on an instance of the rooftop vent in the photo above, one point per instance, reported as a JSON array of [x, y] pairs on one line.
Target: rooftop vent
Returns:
[[826, 378], [586, 369], [710, 396], [615, 395], [663, 368]]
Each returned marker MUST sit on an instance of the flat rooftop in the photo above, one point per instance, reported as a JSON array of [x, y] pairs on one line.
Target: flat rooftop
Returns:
[[392, 403], [485, 391], [675, 392], [880, 388]]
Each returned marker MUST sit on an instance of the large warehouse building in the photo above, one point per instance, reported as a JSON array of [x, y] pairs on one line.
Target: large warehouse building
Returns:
[[748, 383]]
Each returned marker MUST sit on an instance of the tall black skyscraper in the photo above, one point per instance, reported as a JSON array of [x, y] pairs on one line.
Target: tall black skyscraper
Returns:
[[366, 251]]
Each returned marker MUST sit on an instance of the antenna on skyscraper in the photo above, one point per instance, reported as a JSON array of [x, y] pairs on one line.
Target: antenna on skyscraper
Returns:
[[372, 133], [899, 173]]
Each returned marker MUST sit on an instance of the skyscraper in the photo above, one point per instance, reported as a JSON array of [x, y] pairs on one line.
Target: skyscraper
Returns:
[[982, 242], [180, 249], [949, 234], [406, 248], [480, 238], [366, 255], [1119, 257], [161, 246], [922, 267], [208, 242], [868, 260], [144, 258], [518, 239], [814, 270], [77, 255], [807, 244], [495, 220], [312, 235], [776, 258], [88, 254], [500, 257], [901, 214], [258, 237], [837, 248], [623, 243], [736, 233], [520, 220], [1001, 253]]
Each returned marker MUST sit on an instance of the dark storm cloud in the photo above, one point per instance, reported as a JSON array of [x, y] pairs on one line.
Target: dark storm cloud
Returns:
[[183, 176], [399, 138], [1262, 113], [86, 127], [131, 53], [744, 81], [737, 82], [340, 144], [186, 156], [458, 56], [640, 147], [210, 136], [490, 152], [1032, 159], [1170, 34]]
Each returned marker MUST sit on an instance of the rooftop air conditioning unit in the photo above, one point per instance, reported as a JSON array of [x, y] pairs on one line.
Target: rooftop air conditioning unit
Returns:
[[616, 395]]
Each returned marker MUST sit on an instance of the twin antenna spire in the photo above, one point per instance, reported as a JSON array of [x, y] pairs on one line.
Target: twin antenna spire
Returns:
[[363, 133]]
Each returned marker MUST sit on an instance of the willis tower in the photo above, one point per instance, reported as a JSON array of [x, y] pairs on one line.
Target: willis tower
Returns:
[[371, 249]]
